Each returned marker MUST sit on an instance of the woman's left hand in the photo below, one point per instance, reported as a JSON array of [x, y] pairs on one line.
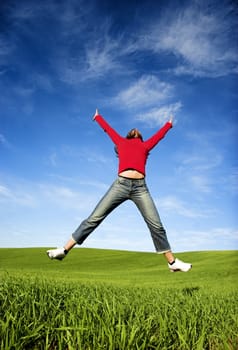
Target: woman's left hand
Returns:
[[171, 120]]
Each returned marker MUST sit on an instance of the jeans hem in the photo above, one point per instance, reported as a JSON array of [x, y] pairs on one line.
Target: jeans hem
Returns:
[[163, 251], [74, 239]]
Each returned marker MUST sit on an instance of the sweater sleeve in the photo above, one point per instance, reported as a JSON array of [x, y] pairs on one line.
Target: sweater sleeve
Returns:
[[152, 141], [114, 136]]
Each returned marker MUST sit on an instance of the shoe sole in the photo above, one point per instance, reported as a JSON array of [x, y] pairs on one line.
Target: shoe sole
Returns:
[[52, 258], [179, 270]]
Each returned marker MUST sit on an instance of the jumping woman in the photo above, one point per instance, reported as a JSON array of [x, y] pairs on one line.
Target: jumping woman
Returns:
[[132, 153]]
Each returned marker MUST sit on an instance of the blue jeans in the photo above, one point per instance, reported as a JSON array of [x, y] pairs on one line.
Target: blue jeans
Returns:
[[121, 190]]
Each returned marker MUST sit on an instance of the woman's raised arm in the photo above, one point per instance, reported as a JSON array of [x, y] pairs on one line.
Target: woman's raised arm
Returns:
[[114, 136]]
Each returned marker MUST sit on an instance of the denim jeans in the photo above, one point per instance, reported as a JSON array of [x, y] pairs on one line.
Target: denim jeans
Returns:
[[121, 190]]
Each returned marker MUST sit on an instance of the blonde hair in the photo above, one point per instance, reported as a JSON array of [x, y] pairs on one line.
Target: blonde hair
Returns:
[[134, 133]]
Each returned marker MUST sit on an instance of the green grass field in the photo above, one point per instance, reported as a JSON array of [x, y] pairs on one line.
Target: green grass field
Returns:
[[105, 299]]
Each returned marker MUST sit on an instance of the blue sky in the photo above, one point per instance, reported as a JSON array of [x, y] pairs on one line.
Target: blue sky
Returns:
[[138, 62]]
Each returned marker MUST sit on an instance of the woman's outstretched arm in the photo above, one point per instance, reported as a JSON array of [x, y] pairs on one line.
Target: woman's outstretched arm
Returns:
[[159, 135], [114, 136]]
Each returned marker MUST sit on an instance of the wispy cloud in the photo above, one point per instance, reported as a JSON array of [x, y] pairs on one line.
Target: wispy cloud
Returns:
[[201, 35], [229, 181], [80, 199], [42, 195], [213, 238], [53, 159], [98, 57], [74, 181], [24, 11], [103, 55], [151, 97], [12, 196], [158, 116], [87, 155], [197, 170], [146, 91], [176, 205], [202, 183], [62, 195], [5, 192], [202, 160], [6, 49], [85, 49], [64, 153], [4, 142]]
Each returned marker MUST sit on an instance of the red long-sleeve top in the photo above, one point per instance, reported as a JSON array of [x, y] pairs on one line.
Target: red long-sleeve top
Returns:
[[132, 153]]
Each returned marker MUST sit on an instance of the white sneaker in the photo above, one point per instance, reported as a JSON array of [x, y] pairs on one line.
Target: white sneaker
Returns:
[[58, 253], [179, 265]]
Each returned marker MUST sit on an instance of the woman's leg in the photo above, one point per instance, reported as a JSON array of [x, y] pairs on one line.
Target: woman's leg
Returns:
[[70, 244], [116, 194], [143, 200]]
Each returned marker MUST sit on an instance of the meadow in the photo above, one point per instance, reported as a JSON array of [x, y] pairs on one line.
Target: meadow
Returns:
[[117, 300]]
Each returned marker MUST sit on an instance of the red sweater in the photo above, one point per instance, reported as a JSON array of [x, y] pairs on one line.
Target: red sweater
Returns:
[[132, 153]]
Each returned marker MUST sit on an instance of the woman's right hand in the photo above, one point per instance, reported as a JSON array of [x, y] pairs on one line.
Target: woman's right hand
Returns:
[[96, 113]]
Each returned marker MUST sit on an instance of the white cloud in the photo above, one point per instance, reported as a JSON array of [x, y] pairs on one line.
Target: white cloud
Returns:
[[5, 192], [94, 62], [202, 40], [17, 197], [85, 154], [6, 49], [103, 56], [146, 91], [4, 141], [174, 204], [201, 183], [151, 97], [229, 181], [202, 160], [42, 81], [24, 11], [63, 208], [216, 238], [53, 159], [52, 197], [67, 197], [158, 116], [197, 177], [87, 55], [202, 37]]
